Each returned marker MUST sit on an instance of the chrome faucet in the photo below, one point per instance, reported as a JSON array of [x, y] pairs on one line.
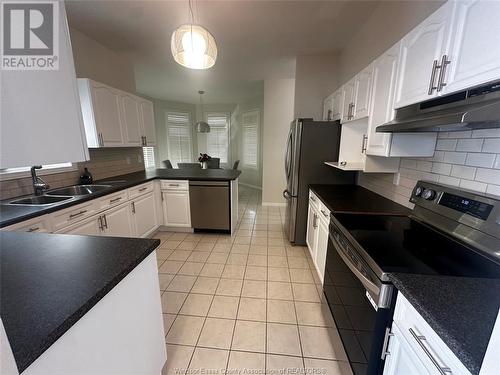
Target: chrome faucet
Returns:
[[39, 185]]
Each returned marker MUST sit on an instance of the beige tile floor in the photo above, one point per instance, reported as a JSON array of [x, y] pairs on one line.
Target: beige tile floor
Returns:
[[245, 304]]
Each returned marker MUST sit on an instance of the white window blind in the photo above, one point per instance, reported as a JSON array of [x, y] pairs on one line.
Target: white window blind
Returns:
[[218, 138], [179, 138], [250, 134], [149, 157]]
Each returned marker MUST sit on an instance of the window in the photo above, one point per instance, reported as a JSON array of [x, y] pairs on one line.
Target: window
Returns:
[[20, 172], [250, 134], [149, 157], [179, 138], [218, 138]]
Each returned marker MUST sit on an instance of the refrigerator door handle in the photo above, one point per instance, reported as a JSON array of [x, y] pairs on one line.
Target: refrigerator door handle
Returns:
[[287, 155]]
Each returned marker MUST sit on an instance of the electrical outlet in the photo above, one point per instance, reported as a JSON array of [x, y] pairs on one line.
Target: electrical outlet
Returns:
[[396, 178]]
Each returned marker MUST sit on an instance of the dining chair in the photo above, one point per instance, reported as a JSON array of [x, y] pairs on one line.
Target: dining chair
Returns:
[[236, 163], [213, 163], [168, 164], [189, 165]]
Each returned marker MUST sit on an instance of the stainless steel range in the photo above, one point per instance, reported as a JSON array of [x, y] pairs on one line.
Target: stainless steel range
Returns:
[[449, 232]]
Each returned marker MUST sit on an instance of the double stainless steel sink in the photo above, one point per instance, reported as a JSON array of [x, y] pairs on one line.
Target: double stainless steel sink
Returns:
[[59, 195]]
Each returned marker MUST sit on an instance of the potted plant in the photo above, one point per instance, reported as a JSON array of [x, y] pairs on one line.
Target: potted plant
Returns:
[[203, 159]]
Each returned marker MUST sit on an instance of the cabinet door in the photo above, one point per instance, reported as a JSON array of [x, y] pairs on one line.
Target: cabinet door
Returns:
[[148, 122], [107, 115], [348, 94], [144, 215], [311, 229], [337, 103], [88, 227], [474, 53], [321, 247], [176, 210], [401, 358], [382, 109], [423, 46], [131, 121], [117, 222], [362, 93]]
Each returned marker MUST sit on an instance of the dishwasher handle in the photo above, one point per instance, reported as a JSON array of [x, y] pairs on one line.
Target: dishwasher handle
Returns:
[[209, 183]]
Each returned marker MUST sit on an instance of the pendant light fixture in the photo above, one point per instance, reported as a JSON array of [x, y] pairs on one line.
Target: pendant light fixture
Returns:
[[193, 46], [202, 126]]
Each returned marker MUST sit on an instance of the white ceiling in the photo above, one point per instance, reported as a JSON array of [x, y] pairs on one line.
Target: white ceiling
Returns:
[[256, 40]]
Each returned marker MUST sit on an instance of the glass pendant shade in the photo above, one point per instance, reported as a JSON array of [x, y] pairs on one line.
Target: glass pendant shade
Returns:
[[193, 47], [202, 127]]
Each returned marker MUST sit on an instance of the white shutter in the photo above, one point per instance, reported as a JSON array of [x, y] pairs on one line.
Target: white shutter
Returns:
[[149, 157], [218, 138], [179, 138], [250, 134]]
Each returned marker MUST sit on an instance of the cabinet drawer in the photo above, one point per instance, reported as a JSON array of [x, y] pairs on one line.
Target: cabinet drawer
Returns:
[[423, 339], [175, 185], [140, 190], [314, 200], [39, 224], [324, 213], [112, 200], [72, 215]]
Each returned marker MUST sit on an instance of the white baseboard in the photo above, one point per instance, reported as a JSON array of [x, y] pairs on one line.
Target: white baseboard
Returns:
[[250, 186], [273, 204]]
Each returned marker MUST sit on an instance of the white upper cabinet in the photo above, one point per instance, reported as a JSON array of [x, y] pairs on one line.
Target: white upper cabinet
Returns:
[[40, 117], [421, 53], [362, 93], [148, 122], [114, 118], [474, 49], [131, 120], [382, 111], [348, 103]]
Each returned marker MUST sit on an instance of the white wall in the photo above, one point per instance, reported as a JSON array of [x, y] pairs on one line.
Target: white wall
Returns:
[[95, 61], [316, 76], [278, 114]]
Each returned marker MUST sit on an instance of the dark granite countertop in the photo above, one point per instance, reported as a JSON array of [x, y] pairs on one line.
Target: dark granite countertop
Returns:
[[12, 214], [49, 281], [356, 199], [461, 310]]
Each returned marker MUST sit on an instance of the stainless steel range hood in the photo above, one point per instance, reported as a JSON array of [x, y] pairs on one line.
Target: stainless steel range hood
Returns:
[[476, 108]]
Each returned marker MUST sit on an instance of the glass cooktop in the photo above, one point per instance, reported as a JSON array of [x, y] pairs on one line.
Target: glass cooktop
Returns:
[[401, 244]]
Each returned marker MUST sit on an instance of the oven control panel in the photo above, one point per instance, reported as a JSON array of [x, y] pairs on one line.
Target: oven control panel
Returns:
[[467, 206]]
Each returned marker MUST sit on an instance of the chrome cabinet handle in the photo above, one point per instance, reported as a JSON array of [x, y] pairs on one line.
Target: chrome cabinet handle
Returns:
[[329, 116], [145, 188], [133, 207], [100, 139], [173, 185], [313, 199], [105, 221], [99, 223], [352, 110], [442, 72], [363, 144], [115, 200], [419, 339], [343, 163], [435, 67], [72, 216], [34, 229], [315, 217], [324, 213]]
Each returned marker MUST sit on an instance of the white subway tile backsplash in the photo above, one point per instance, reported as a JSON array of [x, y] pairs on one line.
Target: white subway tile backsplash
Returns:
[[454, 157], [471, 145], [425, 166], [497, 162], [464, 134], [480, 160], [460, 171], [446, 144], [408, 163], [491, 145], [473, 185], [490, 176], [493, 189], [486, 133], [441, 168], [449, 180]]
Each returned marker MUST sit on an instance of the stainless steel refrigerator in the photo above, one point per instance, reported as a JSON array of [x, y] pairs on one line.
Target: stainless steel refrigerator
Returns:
[[310, 143]]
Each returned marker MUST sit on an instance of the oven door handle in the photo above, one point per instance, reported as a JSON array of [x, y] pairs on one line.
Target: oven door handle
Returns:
[[364, 280]]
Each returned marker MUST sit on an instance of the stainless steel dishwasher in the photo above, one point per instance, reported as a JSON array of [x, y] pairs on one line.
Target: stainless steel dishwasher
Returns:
[[210, 205]]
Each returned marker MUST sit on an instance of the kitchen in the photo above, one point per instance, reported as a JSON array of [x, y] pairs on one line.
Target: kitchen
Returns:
[[375, 250]]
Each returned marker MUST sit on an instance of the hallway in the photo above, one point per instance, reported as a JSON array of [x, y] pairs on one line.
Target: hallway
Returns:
[[248, 303]]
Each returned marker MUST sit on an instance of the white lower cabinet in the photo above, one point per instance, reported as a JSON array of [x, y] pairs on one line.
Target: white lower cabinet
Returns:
[[144, 215], [87, 227], [39, 224], [176, 209], [117, 222], [318, 220]]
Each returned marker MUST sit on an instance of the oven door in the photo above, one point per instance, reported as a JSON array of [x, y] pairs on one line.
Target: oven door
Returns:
[[360, 304]]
